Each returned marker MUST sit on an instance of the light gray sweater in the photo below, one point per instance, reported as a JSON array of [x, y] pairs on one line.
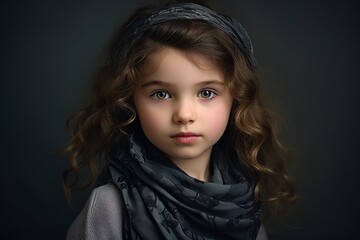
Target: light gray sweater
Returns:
[[102, 217]]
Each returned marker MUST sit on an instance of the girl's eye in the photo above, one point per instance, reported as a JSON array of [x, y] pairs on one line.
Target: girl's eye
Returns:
[[160, 95], [208, 94]]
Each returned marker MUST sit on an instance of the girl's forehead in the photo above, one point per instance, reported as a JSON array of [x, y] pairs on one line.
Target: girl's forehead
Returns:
[[171, 66], [165, 56]]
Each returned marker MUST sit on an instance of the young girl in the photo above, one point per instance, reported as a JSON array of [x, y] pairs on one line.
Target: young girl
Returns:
[[190, 150]]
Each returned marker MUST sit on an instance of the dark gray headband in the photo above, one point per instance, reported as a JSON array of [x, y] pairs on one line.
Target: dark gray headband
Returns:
[[188, 11]]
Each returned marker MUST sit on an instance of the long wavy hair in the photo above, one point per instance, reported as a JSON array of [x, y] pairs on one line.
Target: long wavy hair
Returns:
[[111, 116]]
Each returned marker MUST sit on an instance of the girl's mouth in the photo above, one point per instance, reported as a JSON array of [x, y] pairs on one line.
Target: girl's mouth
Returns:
[[186, 137]]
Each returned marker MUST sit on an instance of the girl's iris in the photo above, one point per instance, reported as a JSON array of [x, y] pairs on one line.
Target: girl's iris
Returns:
[[208, 94], [160, 95]]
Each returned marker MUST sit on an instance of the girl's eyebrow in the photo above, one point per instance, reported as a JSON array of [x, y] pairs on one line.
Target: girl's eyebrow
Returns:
[[210, 82], [168, 84], [155, 82]]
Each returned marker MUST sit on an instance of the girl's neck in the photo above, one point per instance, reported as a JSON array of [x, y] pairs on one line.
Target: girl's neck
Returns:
[[198, 168]]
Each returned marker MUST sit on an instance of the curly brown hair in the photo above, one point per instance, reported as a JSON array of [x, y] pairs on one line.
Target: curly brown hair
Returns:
[[111, 115]]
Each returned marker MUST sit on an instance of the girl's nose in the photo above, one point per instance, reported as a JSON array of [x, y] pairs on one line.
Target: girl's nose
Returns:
[[184, 113]]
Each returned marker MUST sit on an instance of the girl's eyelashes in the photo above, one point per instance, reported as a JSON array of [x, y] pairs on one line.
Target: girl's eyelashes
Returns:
[[160, 95], [207, 94]]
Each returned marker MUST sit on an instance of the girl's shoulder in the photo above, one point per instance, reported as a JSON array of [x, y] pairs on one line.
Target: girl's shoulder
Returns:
[[101, 216]]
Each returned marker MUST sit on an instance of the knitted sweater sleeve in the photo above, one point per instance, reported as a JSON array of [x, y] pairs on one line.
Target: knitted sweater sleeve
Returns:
[[101, 217]]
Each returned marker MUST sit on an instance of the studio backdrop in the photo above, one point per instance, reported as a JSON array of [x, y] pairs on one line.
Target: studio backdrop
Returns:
[[308, 55]]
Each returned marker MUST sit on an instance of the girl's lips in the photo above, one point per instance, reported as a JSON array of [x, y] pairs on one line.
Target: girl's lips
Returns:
[[186, 137], [185, 134]]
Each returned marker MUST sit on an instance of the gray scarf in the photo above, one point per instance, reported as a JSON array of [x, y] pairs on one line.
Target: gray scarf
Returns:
[[163, 202]]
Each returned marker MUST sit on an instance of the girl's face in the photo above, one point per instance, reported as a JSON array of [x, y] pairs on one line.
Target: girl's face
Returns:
[[183, 108]]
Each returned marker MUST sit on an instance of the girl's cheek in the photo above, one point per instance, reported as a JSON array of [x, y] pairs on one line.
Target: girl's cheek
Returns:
[[154, 116]]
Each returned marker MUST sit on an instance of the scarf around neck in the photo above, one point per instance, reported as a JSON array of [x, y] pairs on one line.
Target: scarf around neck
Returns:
[[163, 202]]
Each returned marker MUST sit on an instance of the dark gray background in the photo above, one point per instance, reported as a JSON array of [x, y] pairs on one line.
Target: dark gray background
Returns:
[[308, 53]]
